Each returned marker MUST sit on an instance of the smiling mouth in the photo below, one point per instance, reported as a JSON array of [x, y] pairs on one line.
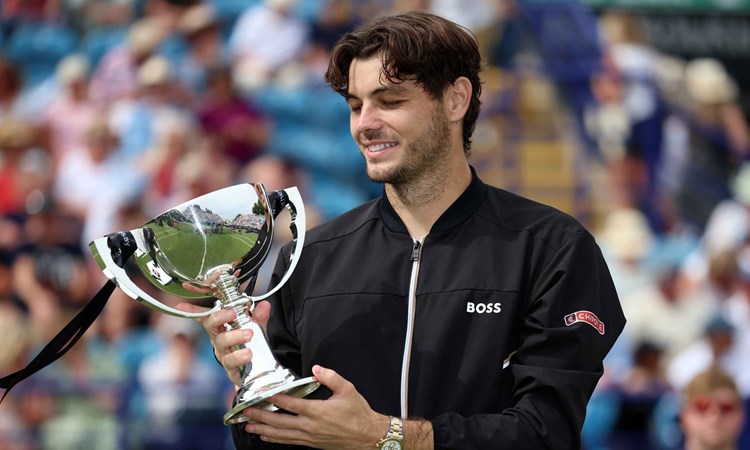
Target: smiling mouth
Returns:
[[379, 147]]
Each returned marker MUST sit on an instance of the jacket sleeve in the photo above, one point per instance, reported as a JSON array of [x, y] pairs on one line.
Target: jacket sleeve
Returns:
[[571, 320], [285, 348]]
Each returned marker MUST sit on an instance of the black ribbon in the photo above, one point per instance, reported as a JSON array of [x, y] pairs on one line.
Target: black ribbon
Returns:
[[277, 200], [122, 246]]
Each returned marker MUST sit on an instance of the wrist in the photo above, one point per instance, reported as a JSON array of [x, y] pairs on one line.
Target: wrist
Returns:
[[394, 437], [418, 435]]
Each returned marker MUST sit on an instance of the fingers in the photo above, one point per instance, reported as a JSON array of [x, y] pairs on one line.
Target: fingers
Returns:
[[331, 379], [261, 313], [229, 355], [236, 359], [225, 341], [294, 405], [273, 420], [282, 431], [214, 323], [196, 289]]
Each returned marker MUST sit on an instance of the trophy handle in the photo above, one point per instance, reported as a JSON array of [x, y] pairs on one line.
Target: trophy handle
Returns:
[[116, 274], [298, 227]]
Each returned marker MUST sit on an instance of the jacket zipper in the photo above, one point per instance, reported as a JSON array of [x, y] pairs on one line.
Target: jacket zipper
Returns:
[[416, 251]]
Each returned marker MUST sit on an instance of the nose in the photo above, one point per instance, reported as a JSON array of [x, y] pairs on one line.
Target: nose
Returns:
[[365, 120]]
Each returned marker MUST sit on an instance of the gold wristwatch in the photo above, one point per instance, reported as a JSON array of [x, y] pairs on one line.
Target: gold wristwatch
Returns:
[[394, 440]]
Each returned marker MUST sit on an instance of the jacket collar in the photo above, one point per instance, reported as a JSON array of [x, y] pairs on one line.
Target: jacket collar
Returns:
[[463, 208]]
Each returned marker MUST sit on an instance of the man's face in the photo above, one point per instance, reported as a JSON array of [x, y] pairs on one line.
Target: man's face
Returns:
[[401, 131], [714, 420]]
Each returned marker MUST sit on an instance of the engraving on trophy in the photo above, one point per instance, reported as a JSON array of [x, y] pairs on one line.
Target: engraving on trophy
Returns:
[[207, 247]]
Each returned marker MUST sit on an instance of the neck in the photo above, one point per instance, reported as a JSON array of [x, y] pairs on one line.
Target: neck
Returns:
[[422, 201]]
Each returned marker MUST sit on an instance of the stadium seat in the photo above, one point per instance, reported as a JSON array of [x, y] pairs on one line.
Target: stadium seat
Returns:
[[38, 47]]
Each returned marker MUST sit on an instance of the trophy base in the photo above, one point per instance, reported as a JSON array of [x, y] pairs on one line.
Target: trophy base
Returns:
[[297, 388]]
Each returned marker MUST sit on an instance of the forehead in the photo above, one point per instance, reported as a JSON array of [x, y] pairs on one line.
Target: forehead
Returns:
[[366, 77], [713, 395]]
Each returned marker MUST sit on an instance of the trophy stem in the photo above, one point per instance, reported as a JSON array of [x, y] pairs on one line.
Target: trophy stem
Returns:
[[263, 376]]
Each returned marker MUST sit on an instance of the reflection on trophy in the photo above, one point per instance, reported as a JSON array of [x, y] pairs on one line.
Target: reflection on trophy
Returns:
[[207, 247]]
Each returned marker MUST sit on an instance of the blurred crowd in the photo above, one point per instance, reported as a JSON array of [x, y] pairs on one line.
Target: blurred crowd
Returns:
[[673, 139], [112, 111]]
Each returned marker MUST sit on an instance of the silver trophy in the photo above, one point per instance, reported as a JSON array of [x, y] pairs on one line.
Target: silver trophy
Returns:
[[207, 247]]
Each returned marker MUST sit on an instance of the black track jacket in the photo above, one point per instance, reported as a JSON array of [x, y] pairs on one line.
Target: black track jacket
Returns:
[[425, 330]]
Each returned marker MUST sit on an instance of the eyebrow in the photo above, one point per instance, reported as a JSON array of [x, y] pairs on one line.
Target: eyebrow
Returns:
[[391, 88]]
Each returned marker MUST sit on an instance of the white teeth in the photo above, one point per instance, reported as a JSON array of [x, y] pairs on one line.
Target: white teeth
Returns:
[[379, 147]]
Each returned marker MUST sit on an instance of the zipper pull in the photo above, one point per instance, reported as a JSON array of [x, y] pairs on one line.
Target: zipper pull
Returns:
[[415, 251]]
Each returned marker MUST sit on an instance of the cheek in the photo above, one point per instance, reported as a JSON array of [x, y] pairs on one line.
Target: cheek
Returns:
[[689, 422], [735, 422]]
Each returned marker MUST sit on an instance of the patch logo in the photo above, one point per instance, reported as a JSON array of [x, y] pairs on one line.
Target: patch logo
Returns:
[[586, 317]]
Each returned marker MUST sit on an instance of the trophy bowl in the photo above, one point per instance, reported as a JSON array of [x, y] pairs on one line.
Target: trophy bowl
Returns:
[[207, 247]]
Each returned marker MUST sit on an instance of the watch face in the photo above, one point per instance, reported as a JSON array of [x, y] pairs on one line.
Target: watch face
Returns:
[[392, 445]]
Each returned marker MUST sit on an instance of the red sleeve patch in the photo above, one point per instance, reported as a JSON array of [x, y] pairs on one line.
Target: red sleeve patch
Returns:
[[585, 317]]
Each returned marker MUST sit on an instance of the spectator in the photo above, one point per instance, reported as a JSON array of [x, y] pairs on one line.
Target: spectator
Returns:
[[718, 347], [70, 114], [719, 137], [727, 229], [640, 392], [12, 105], [87, 172], [233, 125], [10, 86], [116, 77], [86, 389], [627, 243], [736, 310], [49, 270], [24, 170], [666, 313], [635, 61], [175, 141], [92, 183], [200, 28], [269, 34], [712, 412], [185, 394], [137, 121]]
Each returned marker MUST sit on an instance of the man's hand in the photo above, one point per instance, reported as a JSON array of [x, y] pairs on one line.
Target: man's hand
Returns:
[[344, 421], [223, 339]]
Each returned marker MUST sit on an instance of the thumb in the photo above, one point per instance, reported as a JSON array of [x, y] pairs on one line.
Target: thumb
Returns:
[[331, 379], [261, 313]]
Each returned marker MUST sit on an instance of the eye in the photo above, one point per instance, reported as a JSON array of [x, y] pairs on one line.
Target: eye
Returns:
[[355, 107], [392, 103]]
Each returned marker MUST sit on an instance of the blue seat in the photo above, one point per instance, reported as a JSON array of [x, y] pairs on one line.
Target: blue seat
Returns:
[[231, 9], [38, 47]]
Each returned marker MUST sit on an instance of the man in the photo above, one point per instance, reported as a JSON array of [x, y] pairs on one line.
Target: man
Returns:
[[712, 414], [477, 317]]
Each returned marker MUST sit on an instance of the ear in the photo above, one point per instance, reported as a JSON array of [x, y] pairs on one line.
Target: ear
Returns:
[[457, 98]]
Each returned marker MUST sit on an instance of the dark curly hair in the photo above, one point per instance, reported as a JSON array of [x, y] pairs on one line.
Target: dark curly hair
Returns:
[[419, 46]]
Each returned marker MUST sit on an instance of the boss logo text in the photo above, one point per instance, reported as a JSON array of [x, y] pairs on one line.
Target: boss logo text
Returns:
[[483, 308]]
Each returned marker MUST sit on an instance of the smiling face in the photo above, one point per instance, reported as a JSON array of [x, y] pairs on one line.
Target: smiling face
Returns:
[[402, 132]]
